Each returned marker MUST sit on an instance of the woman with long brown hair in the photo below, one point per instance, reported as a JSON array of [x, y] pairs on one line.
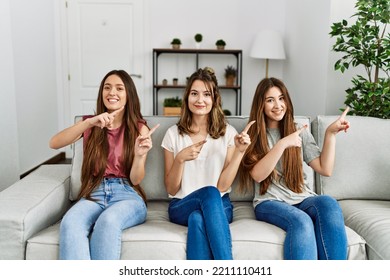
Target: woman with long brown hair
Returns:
[[116, 142], [313, 223], [202, 156]]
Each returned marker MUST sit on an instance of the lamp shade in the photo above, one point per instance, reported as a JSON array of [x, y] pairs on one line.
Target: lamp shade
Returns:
[[268, 44]]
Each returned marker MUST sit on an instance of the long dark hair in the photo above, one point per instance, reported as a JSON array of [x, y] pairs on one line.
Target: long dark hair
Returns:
[[216, 118], [96, 148], [292, 162]]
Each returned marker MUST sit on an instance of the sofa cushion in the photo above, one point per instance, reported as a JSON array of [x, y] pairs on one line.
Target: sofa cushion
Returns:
[[362, 163], [158, 238], [371, 220], [30, 205]]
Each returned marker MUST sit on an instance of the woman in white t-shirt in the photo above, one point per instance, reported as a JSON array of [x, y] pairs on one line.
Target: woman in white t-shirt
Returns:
[[202, 156]]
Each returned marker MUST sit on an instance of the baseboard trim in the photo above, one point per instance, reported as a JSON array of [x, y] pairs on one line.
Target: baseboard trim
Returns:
[[54, 160]]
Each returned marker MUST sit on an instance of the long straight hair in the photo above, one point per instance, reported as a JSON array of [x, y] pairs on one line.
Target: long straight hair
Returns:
[[96, 148], [216, 118], [291, 158]]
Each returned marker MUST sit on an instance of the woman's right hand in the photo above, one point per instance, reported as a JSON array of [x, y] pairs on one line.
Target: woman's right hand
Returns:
[[190, 152], [294, 140], [104, 119]]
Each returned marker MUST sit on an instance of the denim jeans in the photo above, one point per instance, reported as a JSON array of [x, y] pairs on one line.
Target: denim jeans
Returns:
[[92, 229], [207, 216], [314, 228]]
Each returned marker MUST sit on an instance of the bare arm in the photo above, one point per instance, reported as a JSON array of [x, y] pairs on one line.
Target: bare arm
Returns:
[[73, 133], [233, 159], [325, 162], [142, 145], [69, 135]]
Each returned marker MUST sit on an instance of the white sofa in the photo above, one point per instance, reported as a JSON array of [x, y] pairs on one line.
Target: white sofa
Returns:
[[31, 209]]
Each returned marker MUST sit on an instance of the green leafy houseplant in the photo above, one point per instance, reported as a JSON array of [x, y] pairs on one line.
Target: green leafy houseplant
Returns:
[[198, 37], [220, 44], [230, 71], [172, 102], [176, 42], [172, 106], [230, 75], [366, 43]]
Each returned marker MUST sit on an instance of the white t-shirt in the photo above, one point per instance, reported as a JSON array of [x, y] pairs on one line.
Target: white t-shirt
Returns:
[[207, 167]]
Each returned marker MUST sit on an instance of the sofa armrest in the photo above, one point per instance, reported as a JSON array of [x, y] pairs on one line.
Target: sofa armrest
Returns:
[[35, 202]]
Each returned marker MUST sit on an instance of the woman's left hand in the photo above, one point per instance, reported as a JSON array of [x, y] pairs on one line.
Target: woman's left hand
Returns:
[[143, 143], [340, 124], [242, 140]]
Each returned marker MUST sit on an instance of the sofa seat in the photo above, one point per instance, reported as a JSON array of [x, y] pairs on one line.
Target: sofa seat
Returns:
[[158, 238], [371, 218]]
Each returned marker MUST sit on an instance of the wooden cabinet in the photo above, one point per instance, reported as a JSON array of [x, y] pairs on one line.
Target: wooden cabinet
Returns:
[[196, 56]]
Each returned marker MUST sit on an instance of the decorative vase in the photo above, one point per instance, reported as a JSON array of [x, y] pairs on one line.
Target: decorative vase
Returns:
[[175, 46], [230, 81]]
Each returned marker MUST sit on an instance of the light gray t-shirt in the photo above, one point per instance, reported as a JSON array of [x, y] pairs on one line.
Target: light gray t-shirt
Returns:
[[278, 190]]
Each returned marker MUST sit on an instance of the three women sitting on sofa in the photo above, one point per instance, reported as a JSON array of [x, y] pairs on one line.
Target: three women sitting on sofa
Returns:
[[203, 154]]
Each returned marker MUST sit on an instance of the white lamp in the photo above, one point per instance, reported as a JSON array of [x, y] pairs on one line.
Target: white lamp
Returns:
[[268, 44]]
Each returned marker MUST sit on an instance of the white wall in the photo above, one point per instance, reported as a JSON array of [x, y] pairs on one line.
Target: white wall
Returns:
[[32, 60], [29, 87], [305, 70], [235, 21], [9, 155]]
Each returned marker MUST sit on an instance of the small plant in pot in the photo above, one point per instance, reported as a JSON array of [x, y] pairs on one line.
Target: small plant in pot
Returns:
[[176, 42], [172, 106], [366, 44], [220, 44], [230, 75], [198, 39]]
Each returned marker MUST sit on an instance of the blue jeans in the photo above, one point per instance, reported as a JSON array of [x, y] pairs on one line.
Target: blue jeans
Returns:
[[92, 229], [207, 216], [314, 228]]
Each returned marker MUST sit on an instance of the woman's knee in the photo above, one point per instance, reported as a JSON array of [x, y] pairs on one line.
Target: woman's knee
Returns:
[[302, 225], [327, 201], [211, 191], [71, 225], [196, 220]]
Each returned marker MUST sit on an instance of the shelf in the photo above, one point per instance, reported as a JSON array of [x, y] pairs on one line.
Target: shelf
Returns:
[[197, 53], [184, 86], [200, 51]]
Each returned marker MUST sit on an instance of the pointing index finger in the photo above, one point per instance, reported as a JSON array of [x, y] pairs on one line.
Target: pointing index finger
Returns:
[[153, 129], [302, 129], [114, 113], [248, 126], [344, 114], [200, 143]]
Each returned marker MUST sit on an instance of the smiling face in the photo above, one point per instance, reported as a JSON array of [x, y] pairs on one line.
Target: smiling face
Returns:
[[114, 93], [200, 101], [274, 106]]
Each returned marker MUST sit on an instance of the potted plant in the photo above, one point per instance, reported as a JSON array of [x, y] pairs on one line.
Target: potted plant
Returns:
[[365, 43], [176, 42], [198, 39], [172, 106], [230, 75], [227, 112], [220, 44]]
